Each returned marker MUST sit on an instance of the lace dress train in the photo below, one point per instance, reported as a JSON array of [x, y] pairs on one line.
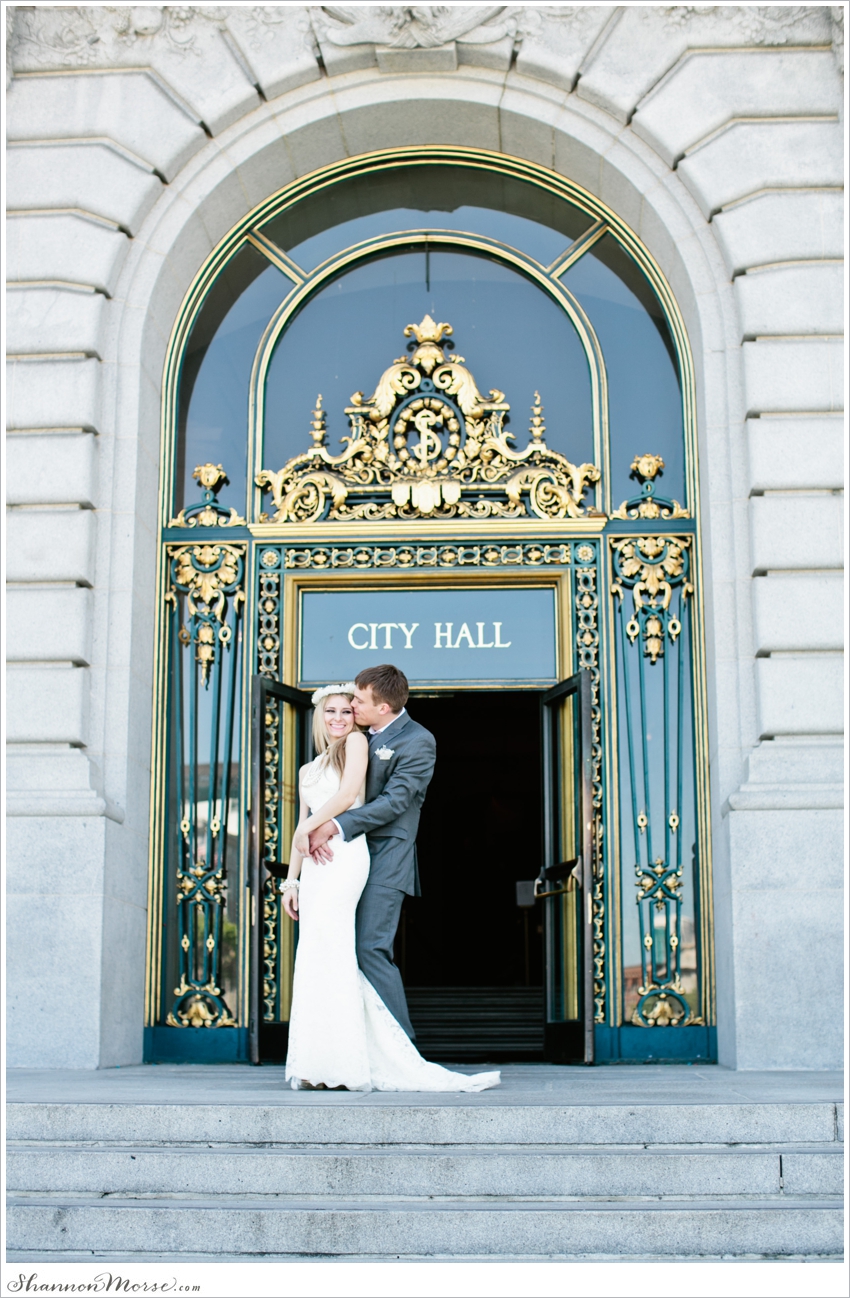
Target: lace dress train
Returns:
[[340, 1031]]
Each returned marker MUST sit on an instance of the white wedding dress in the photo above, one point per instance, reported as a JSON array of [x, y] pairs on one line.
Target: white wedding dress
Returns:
[[340, 1031]]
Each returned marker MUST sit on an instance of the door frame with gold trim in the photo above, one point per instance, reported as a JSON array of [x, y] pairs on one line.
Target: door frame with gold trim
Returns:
[[246, 571]]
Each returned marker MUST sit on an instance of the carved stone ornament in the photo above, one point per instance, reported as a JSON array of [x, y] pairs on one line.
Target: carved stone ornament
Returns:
[[89, 36], [758, 24], [213, 56], [427, 444], [414, 26]]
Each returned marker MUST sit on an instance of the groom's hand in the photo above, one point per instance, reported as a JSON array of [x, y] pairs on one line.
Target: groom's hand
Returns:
[[319, 849]]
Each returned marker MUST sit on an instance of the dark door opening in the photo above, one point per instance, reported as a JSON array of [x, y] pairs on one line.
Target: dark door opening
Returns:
[[471, 948]]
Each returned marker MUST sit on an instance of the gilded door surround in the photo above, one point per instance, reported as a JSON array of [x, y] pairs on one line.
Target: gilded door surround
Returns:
[[287, 568], [338, 550], [297, 583]]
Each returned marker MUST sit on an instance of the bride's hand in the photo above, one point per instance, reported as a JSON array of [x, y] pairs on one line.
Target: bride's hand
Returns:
[[302, 842]]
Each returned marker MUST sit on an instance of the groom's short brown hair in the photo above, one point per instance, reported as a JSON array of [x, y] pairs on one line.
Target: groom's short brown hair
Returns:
[[387, 683]]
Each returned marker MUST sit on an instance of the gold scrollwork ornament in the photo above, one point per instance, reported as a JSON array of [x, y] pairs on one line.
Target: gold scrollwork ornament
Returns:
[[208, 513], [207, 574], [649, 505], [650, 566], [428, 444]]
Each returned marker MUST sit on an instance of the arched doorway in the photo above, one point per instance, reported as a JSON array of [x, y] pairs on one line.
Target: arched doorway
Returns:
[[585, 527]]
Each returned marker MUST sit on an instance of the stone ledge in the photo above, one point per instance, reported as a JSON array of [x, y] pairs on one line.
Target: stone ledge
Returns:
[[442, 58], [103, 1257], [785, 797], [356, 1123], [407, 1204], [57, 804], [282, 1173], [398, 1228]]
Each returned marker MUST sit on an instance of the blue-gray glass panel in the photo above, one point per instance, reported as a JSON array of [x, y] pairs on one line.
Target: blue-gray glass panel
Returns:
[[214, 380], [512, 335], [645, 401], [440, 197], [484, 635], [515, 231]]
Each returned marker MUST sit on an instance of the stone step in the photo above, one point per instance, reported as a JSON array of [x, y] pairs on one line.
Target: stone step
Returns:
[[186, 1257], [558, 1163], [478, 1227], [457, 1171], [320, 1118]]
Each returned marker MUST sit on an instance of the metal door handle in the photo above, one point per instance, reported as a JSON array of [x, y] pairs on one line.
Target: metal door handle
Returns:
[[562, 869], [573, 881]]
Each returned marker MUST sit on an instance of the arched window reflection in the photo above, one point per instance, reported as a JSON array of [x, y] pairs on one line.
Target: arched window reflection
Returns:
[[644, 396], [214, 380], [430, 197], [513, 335]]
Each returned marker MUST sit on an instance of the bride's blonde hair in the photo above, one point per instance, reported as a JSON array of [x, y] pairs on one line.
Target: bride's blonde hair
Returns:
[[331, 750]]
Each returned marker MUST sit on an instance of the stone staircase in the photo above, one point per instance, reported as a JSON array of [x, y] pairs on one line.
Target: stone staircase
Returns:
[[379, 1177], [484, 1024]]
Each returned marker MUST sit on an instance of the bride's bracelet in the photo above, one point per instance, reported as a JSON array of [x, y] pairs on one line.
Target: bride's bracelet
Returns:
[[288, 884]]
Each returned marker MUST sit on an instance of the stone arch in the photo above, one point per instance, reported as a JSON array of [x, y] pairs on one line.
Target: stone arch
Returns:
[[257, 154]]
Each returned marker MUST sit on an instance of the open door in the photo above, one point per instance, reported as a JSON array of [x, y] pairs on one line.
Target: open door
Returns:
[[565, 881], [280, 743]]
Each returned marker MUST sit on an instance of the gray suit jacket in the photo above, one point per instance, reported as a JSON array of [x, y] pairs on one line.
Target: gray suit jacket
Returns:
[[395, 791]]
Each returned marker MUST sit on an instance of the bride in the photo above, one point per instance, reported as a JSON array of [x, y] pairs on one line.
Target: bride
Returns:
[[341, 1034]]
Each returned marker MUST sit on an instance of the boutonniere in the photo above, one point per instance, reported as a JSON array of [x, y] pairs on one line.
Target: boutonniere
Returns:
[[384, 753]]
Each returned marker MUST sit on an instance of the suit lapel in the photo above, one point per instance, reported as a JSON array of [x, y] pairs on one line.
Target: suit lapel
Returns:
[[386, 737], [391, 732]]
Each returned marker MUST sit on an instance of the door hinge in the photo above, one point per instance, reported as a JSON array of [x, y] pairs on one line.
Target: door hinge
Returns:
[[589, 909]]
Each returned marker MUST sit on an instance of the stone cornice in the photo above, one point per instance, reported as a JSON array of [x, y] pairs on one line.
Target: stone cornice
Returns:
[[219, 58]]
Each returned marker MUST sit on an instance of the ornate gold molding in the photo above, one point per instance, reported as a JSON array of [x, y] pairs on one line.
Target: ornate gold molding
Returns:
[[208, 512], [586, 614], [376, 557], [461, 466], [650, 566], [648, 504], [208, 575]]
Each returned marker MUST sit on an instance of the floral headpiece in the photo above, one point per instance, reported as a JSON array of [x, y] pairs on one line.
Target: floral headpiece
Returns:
[[327, 690]]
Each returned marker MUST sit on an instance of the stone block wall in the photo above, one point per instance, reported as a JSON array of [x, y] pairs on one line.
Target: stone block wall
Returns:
[[137, 137]]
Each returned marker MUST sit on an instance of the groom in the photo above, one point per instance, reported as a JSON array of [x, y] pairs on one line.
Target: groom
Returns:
[[401, 763]]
